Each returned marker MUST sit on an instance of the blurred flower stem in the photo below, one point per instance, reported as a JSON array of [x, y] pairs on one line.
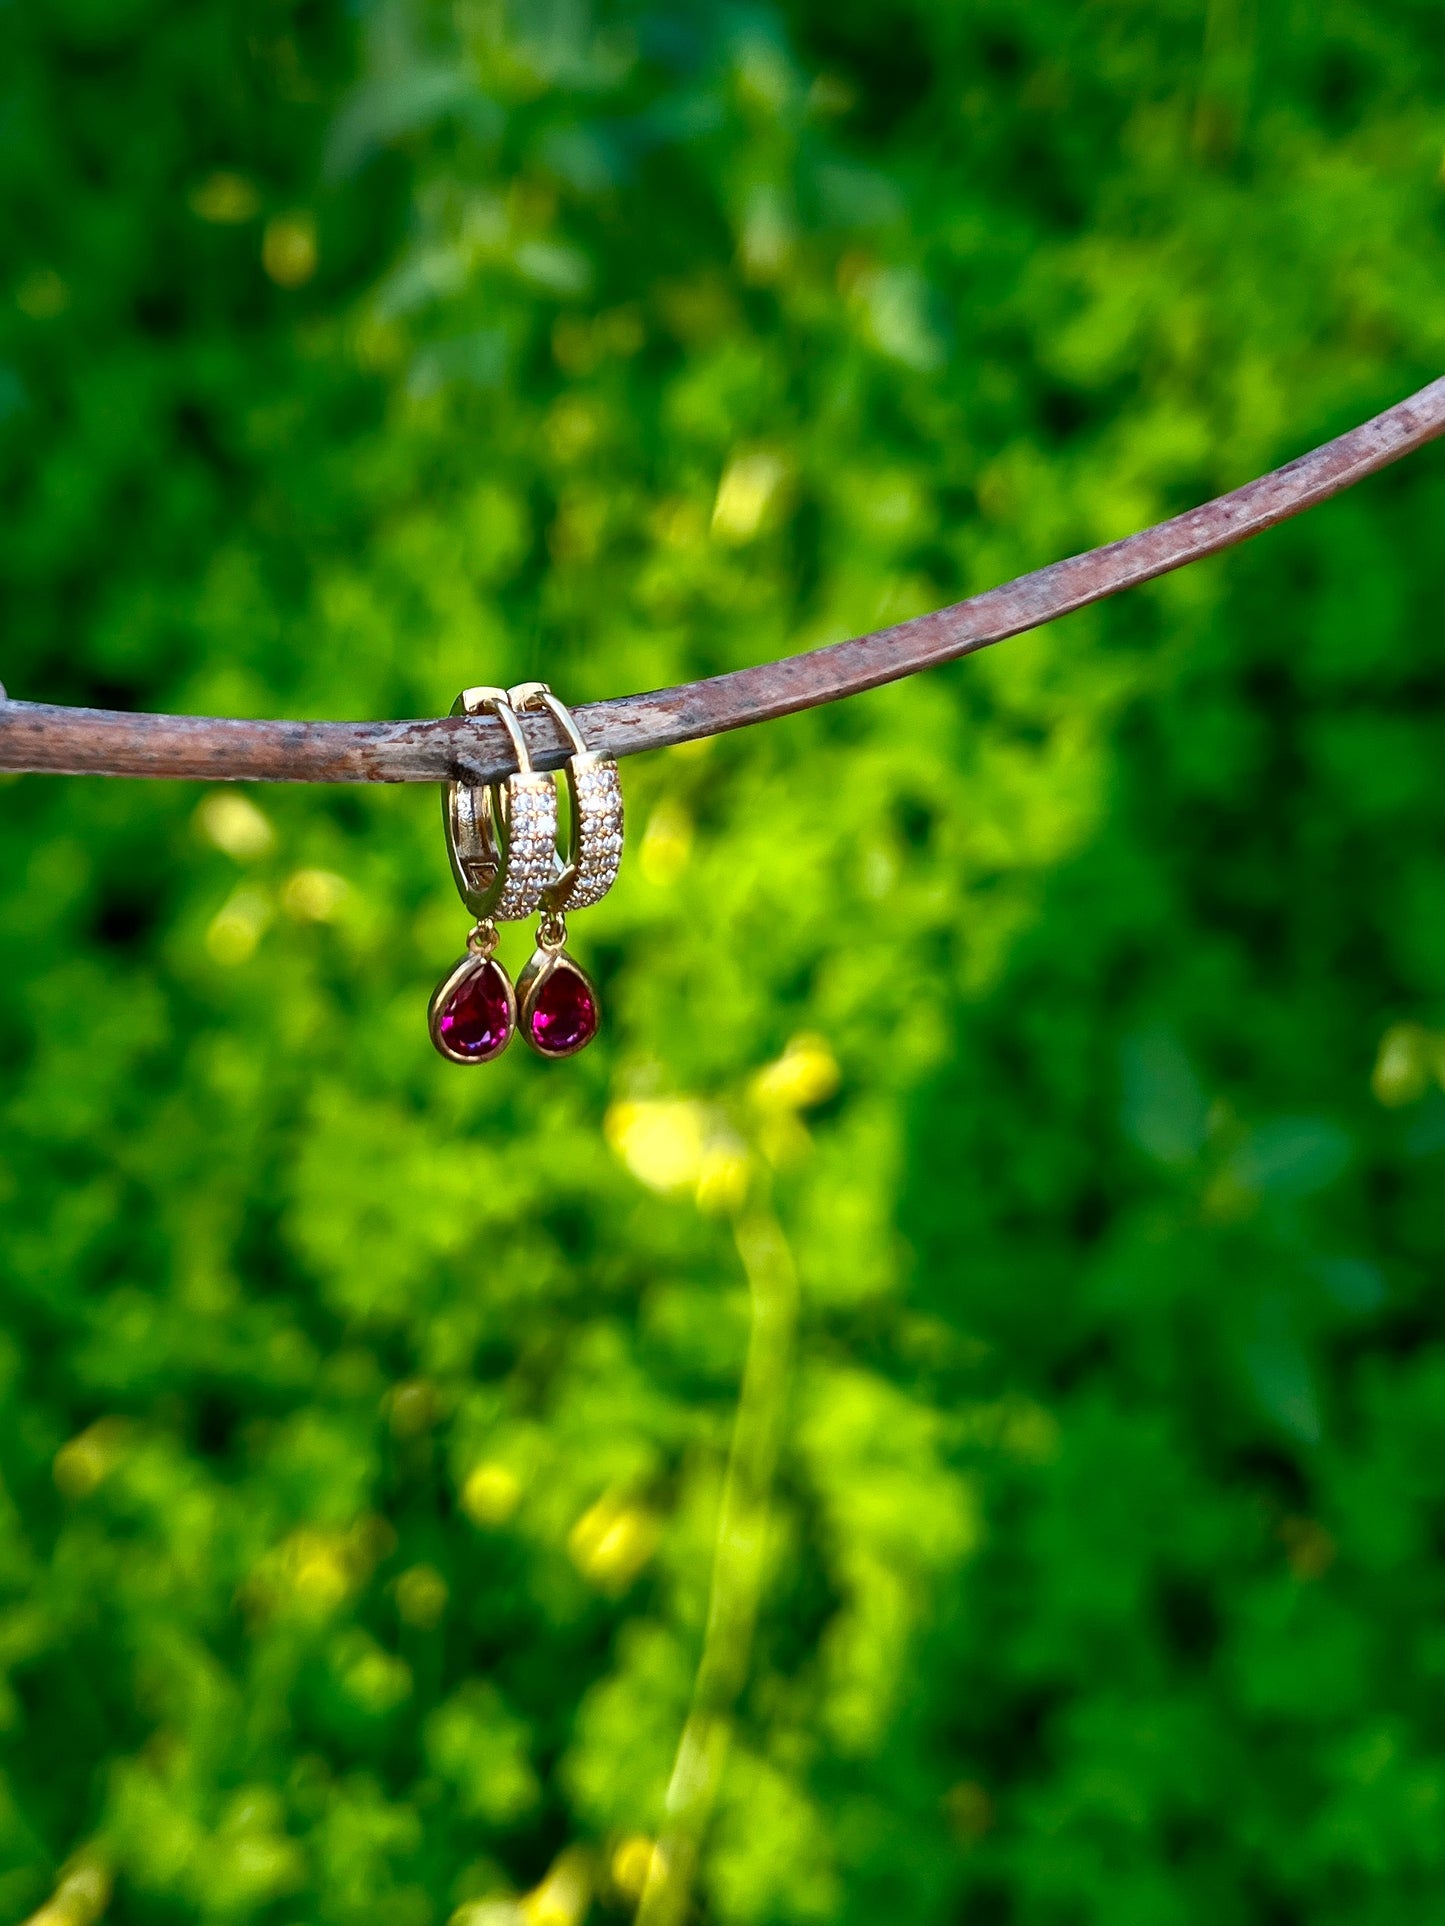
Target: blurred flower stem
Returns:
[[738, 1565], [80, 1897]]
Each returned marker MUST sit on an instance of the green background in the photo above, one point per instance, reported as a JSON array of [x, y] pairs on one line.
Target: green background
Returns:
[[362, 1420]]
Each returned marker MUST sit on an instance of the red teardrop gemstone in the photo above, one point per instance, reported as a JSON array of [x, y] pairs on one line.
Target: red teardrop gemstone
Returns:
[[475, 1022], [562, 1016]]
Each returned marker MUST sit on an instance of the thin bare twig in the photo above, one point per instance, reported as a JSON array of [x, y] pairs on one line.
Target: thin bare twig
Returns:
[[40, 736]]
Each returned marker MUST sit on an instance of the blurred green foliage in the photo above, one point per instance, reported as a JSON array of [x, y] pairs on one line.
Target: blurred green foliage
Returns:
[[364, 1419]]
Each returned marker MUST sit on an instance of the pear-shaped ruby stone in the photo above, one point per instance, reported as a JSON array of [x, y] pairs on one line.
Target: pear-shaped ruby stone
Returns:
[[562, 1014], [475, 1022]]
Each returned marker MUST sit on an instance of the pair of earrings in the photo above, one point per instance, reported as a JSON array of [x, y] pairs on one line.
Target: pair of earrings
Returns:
[[507, 863]]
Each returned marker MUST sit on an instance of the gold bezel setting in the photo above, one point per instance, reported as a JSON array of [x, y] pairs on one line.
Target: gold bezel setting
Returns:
[[465, 967], [545, 965]]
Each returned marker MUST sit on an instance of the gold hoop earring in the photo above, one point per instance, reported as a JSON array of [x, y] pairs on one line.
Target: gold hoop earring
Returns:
[[588, 867], [501, 843], [557, 1005], [501, 838]]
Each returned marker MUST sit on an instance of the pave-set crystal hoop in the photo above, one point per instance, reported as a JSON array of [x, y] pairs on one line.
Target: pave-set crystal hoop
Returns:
[[501, 838], [502, 842], [587, 868]]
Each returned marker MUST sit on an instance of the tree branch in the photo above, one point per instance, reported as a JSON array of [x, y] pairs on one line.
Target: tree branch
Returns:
[[44, 737]]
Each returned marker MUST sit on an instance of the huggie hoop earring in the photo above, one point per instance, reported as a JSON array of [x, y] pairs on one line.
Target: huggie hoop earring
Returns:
[[588, 869], [502, 839], [502, 845]]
